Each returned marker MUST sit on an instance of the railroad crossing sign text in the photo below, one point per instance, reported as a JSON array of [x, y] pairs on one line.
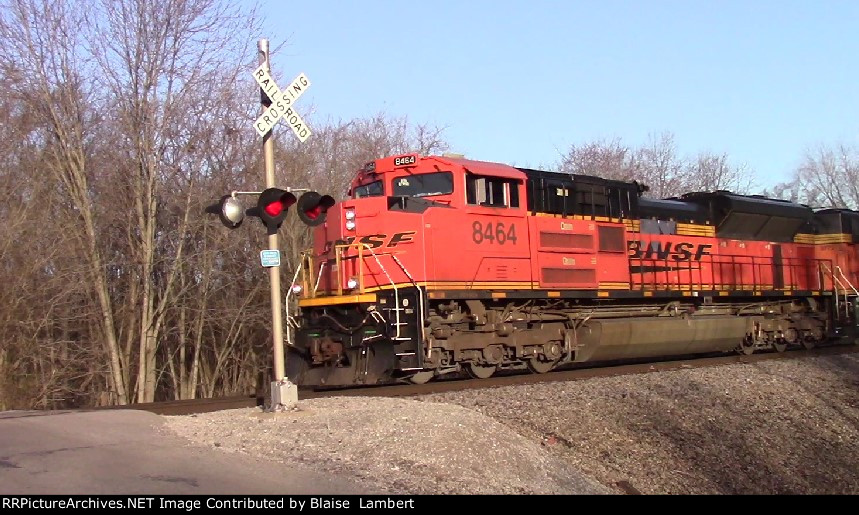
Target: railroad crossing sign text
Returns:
[[281, 104]]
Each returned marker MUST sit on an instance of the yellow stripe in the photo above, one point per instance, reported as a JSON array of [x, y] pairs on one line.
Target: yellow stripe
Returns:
[[695, 230], [496, 295], [331, 301], [603, 294], [823, 239], [554, 294], [458, 286], [580, 217], [614, 286]]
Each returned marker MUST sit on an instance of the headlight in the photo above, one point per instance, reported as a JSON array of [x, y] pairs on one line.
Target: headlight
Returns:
[[350, 225], [352, 283], [296, 289], [350, 214]]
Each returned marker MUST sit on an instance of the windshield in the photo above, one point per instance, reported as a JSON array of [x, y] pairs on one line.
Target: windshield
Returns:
[[425, 185], [372, 189]]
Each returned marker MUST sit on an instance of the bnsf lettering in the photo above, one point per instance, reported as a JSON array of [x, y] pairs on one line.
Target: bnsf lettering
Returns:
[[401, 237], [682, 251], [375, 241]]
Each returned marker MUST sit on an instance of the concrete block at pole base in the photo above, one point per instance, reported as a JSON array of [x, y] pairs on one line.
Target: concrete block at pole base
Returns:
[[284, 395]]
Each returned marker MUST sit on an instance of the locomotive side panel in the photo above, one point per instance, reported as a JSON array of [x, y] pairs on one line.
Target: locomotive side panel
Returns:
[[479, 248]]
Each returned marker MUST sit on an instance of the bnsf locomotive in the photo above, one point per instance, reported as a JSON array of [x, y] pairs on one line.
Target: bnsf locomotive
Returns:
[[438, 265]]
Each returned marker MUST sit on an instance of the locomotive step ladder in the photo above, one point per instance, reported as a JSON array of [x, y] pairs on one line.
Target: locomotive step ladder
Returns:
[[398, 316]]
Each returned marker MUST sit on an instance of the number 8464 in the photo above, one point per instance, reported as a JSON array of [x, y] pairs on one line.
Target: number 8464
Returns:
[[493, 233]]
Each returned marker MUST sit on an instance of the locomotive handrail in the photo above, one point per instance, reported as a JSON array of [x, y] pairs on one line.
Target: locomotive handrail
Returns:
[[390, 279], [838, 285], [339, 258], [318, 277], [846, 280], [290, 320], [735, 272]]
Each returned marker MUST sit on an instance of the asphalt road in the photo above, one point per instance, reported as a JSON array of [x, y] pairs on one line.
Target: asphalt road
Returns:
[[129, 452]]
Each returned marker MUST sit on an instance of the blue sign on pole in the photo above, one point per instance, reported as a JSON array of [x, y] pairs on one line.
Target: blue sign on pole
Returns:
[[269, 258]]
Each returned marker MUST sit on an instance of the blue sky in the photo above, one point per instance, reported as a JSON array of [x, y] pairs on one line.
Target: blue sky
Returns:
[[520, 81]]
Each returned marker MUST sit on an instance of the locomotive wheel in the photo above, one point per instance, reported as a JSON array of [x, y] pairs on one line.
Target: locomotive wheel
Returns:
[[747, 347], [421, 377], [780, 346], [808, 343], [480, 371], [538, 366]]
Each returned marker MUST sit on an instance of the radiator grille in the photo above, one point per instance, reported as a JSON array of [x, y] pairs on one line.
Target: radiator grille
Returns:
[[569, 275], [611, 239], [566, 240]]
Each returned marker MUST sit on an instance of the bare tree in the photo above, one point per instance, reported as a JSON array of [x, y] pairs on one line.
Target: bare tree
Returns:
[[657, 165], [165, 65], [711, 172], [134, 115], [43, 48], [827, 177], [609, 159]]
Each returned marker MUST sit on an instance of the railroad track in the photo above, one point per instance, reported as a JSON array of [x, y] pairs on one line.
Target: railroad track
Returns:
[[581, 372], [584, 371], [192, 406]]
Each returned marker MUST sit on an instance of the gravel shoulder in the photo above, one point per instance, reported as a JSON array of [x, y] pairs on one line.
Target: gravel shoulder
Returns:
[[775, 427]]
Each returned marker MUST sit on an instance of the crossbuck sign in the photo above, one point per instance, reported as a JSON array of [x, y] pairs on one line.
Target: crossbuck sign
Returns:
[[282, 102]]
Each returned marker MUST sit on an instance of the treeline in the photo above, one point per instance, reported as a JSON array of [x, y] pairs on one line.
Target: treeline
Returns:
[[120, 121], [826, 176]]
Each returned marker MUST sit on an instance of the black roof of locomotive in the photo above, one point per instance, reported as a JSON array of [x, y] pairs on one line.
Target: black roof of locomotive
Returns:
[[837, 221], [752, 216], [735, 216], [673, 209]]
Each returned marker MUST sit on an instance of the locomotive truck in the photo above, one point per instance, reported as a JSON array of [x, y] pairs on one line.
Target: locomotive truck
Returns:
[[438, 265]]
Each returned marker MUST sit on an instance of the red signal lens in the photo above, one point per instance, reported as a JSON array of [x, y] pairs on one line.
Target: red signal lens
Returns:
[[274, 208], [314, 213]]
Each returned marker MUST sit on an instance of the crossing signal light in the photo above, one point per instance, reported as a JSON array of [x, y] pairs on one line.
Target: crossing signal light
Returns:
[[272, 206], [229, 210], [313, 207]]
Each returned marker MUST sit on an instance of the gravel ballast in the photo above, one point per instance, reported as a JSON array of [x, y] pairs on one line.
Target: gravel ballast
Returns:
[[785, 426]]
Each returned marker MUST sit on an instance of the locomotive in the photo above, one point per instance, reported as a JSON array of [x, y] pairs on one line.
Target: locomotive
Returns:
[[438, 265]]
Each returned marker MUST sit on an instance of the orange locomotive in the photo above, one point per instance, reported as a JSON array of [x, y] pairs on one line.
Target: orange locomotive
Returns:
[[438, 265]]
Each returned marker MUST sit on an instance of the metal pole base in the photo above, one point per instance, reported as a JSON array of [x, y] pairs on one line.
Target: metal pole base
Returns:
[[284, 395]]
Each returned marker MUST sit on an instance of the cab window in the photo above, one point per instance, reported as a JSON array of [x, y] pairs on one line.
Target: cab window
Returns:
[[491, 191], [424, 185], [371, 189]]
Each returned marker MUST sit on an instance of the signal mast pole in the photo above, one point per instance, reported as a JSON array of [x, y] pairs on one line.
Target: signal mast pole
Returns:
[[283, 393]]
